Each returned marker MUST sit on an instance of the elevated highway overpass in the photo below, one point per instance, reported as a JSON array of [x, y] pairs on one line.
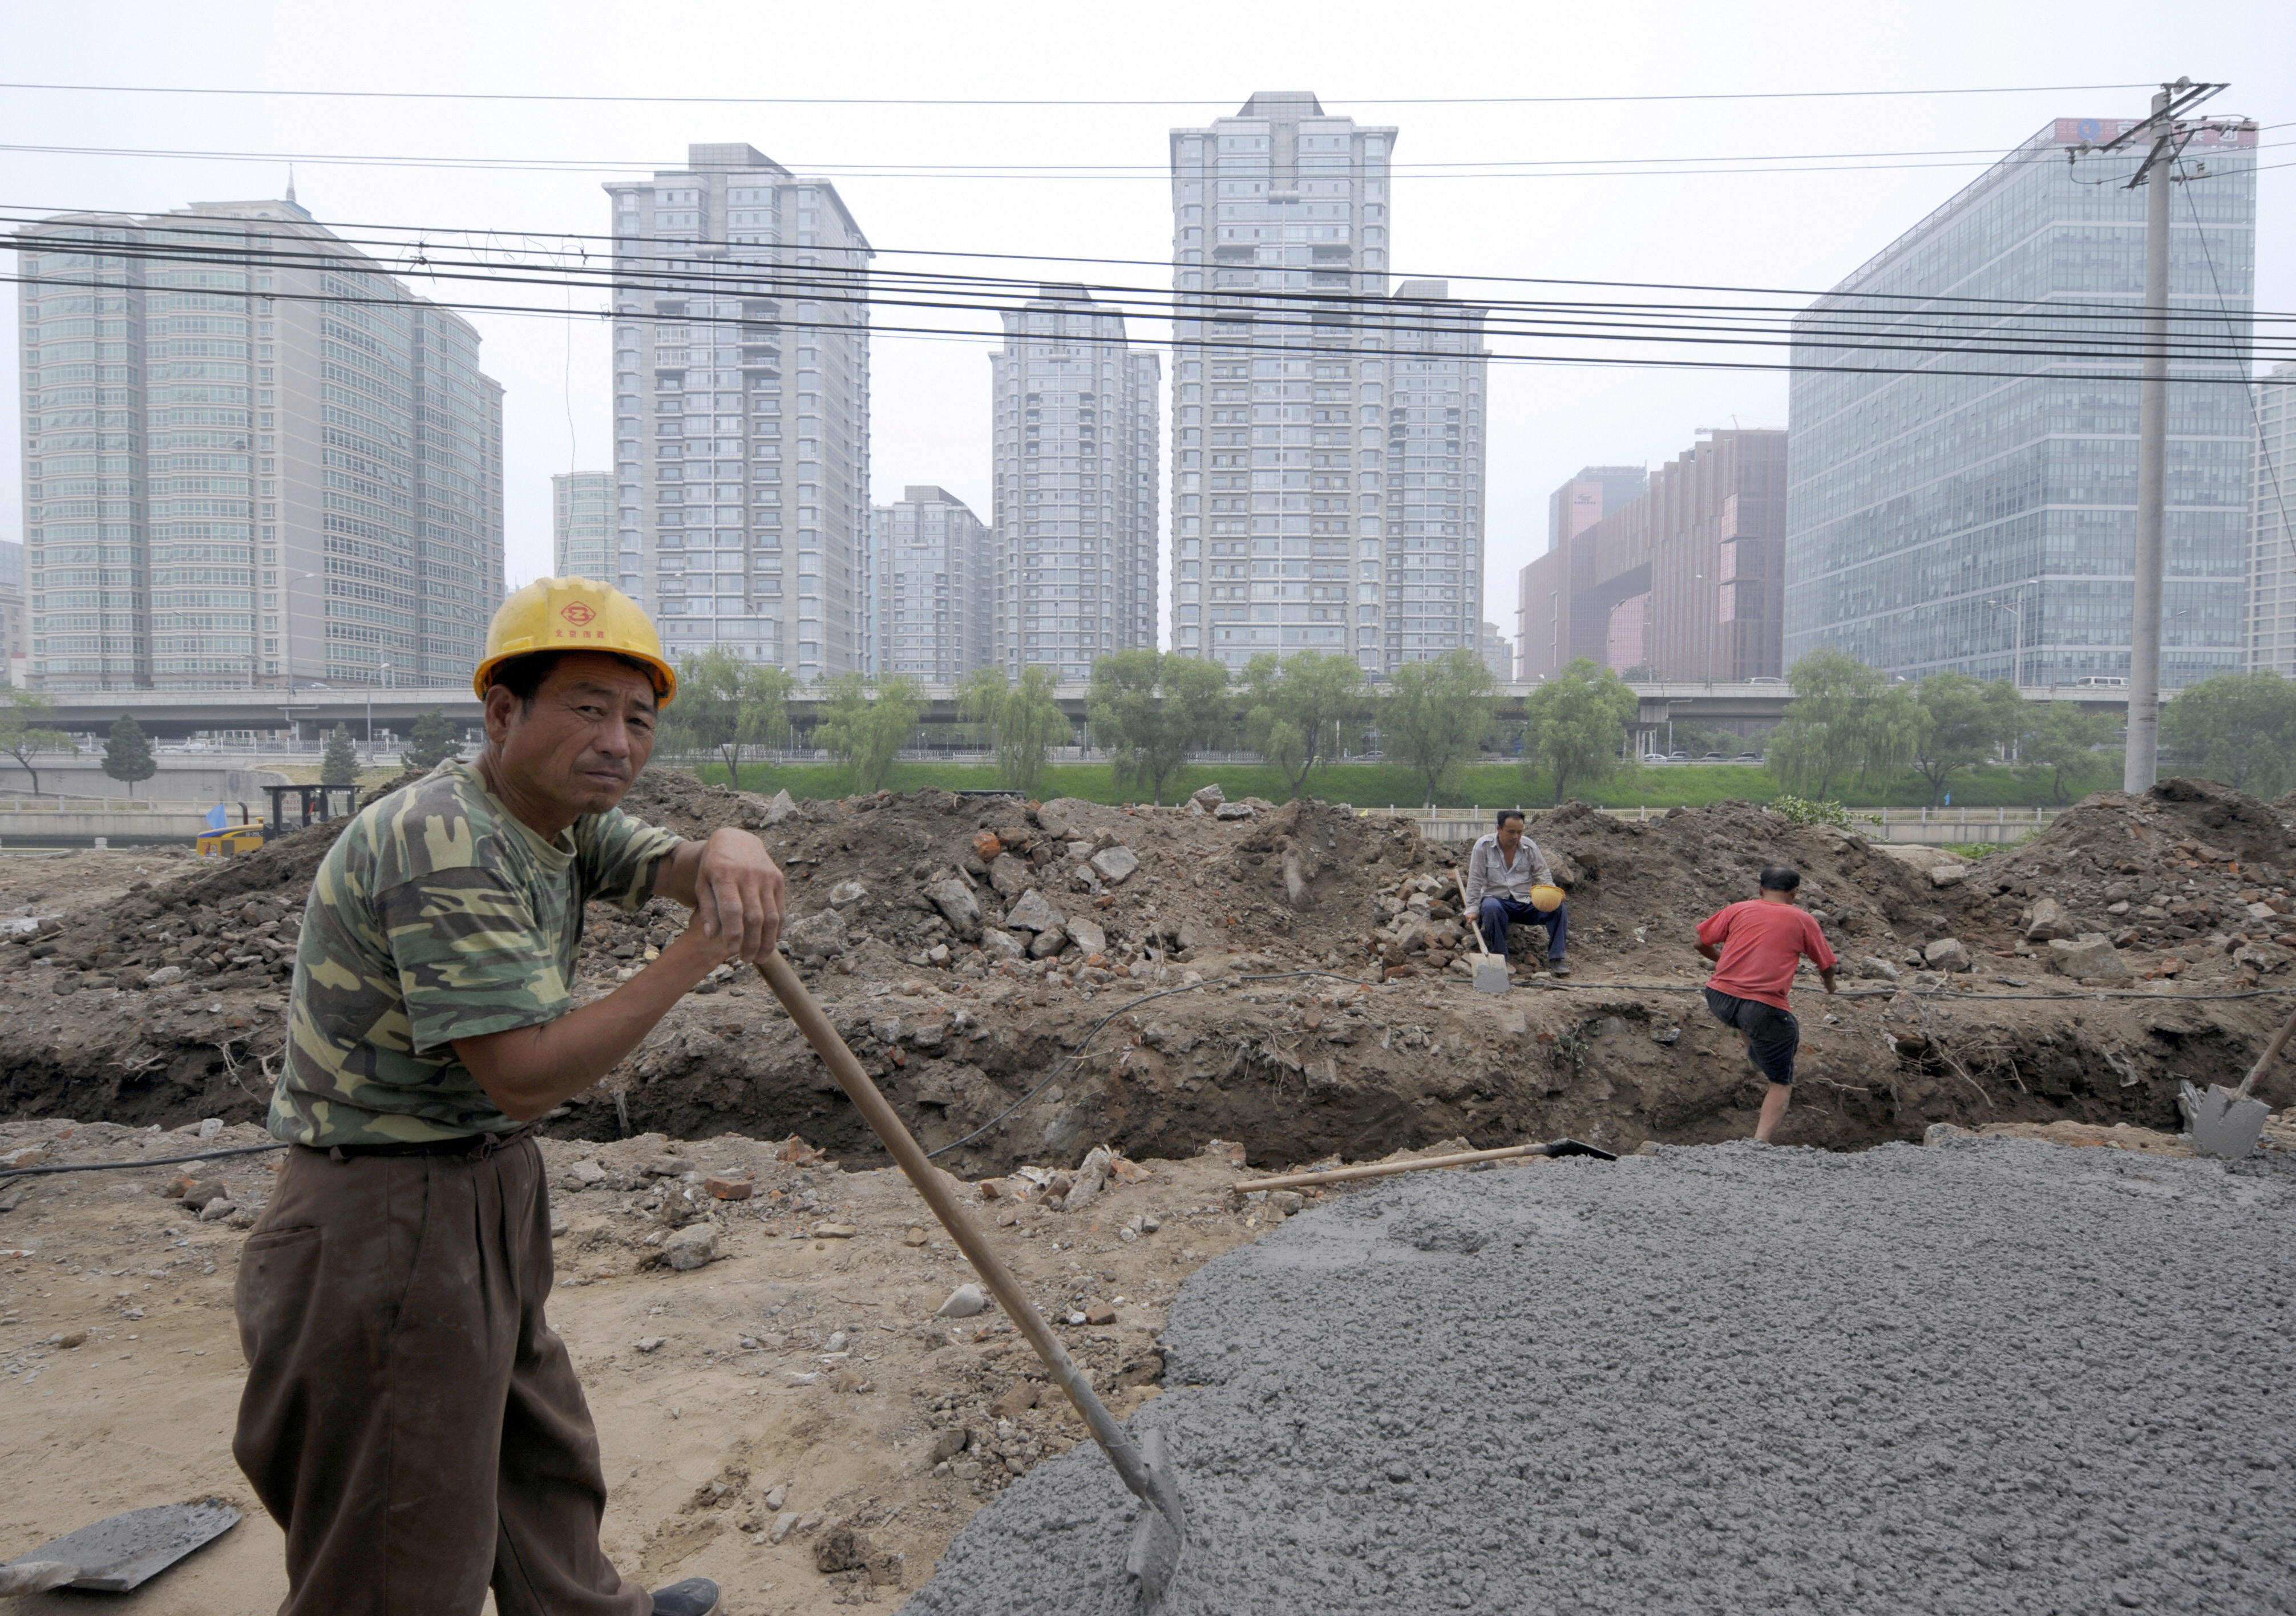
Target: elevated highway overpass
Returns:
[[179, 714]]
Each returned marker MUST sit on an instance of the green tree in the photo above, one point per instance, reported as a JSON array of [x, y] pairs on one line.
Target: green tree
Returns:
[[339, 763], [1148, 708], [865, 730], [1961, 721], [432, 742], [2237, 727], [1575, 723], [1297, 710], [728, 705], [2059, 737], [1435, 715], [126, 754], [1846, 722], [1021, 715], [27, 730]]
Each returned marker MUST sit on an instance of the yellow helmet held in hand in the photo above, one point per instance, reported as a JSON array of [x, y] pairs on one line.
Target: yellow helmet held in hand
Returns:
[[574, 614], [1546, 900]]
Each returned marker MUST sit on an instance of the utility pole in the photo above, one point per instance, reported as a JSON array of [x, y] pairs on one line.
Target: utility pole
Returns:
[[2141, 764]]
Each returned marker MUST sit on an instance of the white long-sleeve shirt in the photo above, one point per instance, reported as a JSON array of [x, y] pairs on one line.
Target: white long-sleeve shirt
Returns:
[[1489, 874]]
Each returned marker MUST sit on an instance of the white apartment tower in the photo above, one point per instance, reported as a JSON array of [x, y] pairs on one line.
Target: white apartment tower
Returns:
[[931, 604], [1327, 439], [741, 411], [2272, 533], [1077, 461], [251, 457], [582, 525]]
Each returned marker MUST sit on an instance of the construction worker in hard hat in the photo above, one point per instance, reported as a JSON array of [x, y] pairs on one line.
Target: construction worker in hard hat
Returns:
[[1508, 882], [410, 1419]]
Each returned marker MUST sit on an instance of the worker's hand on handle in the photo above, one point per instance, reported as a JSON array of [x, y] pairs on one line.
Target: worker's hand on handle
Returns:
[[734, 888], [1827, 978]]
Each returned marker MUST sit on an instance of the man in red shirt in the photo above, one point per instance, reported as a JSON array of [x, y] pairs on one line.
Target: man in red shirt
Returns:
[[1759, 944]]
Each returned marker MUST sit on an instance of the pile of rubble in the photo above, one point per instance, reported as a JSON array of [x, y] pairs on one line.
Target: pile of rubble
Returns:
[[2122, 888]]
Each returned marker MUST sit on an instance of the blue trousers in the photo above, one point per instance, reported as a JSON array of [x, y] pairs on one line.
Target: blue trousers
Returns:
[[1498, 911]]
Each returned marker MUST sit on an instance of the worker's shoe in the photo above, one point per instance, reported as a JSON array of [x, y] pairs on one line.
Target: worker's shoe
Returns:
[[695, 1596], [1555, 967]]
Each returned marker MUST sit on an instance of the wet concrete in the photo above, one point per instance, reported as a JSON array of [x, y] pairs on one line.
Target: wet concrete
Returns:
[[1986, 1376]]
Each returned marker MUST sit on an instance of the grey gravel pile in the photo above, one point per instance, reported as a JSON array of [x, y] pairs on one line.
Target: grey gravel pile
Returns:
[[1986, 1376]]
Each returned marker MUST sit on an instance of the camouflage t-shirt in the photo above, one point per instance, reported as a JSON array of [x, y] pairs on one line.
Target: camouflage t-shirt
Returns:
[[438, 915]]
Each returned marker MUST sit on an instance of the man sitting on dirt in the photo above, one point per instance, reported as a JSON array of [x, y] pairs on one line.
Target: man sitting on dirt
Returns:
[[410, 1419], [1759, 944], [1502, 869]]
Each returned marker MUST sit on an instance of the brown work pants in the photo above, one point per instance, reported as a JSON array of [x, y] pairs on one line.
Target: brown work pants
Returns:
[[410, 1420]]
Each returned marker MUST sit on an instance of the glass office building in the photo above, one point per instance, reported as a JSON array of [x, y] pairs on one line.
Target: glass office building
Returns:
[[2272, 543], [1963, 418]]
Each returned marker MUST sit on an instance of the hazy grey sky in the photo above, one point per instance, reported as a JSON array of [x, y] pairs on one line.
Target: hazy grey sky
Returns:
[[930, 396]]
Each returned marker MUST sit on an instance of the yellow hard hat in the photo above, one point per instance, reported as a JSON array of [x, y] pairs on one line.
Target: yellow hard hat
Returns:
[[1546, 900], [573, 614]]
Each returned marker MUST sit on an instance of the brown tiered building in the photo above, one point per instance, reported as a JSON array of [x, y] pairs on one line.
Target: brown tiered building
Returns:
[[1686, 582]]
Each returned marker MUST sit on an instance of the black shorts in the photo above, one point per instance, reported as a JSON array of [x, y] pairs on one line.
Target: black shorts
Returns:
[[1772, 1034]]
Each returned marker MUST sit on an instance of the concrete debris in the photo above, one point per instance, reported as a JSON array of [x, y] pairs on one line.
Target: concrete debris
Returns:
[[693, 1247], [1235, 810], [1947, 954], [782, 806], [2090, 956], [1032, 912], [963, 1302], [1207, 797]]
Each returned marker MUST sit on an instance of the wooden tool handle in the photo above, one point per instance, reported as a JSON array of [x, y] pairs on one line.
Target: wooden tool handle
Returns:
[[1473, 924], [2271, 1052], [886, 1123]]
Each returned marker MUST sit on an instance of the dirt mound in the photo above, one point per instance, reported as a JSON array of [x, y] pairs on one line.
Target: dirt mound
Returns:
[[2191, 867]]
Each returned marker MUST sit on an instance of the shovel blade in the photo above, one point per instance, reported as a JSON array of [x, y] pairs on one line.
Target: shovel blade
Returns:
[[1161, 1533], [2221, 1123], [1490, 974]]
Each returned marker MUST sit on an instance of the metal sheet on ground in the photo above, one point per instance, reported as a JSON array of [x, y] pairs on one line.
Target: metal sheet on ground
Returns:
[[125, 1551]]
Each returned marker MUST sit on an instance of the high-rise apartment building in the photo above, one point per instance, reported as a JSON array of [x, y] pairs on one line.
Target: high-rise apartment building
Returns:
[[1684, 581], [1327, 439], [252, 458], [932, 558], [1965, 418], [1571, 510], [741, 411], [1077, 462], [2272, 538], [1497, 656], [582, 525], [12, 612]]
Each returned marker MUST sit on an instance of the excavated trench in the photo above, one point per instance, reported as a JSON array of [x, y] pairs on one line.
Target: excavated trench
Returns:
[[166, 1006]]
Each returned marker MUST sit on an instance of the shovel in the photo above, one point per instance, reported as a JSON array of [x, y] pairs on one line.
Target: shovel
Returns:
[[1161, 1532], [2225, 1122], [1491, 970]]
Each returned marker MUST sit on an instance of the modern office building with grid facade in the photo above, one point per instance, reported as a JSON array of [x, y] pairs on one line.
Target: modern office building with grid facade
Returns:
[[741, 411], [251, 457], [1327, 464], [2272, 543], [1073, 574], [1963, 423]]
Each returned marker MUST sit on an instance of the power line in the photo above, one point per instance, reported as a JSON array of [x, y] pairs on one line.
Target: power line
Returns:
[[834, 284], [1246, 344], [688, 270], [1585, 168], [1199, 101]]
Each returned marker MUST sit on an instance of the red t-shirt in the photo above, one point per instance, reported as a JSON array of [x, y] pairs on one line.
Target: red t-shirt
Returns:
[[1761, 944]]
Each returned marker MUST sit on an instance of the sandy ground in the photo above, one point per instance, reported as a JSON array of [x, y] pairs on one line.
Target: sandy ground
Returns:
[[71, 880], [141, 1412]]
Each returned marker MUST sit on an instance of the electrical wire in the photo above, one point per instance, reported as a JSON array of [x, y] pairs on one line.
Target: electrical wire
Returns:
[[1580, 168], [109, 1167], [1199, 101], [930, 291]]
